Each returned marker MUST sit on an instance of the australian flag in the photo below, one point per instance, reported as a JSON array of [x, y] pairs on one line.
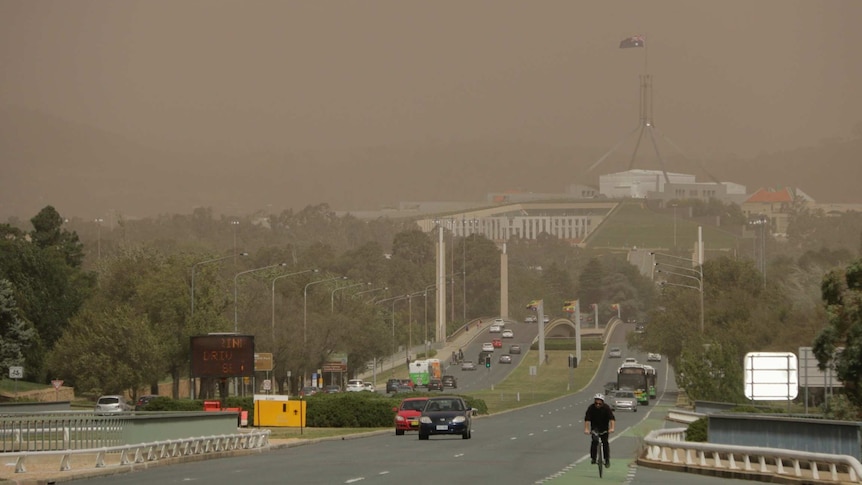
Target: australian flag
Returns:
[[633, 41]]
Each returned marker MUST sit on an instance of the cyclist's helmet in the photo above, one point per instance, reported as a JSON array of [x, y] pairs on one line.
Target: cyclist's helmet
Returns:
[[599, 396]]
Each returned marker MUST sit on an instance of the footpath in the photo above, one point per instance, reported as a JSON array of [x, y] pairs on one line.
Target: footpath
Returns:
[[457, 341]]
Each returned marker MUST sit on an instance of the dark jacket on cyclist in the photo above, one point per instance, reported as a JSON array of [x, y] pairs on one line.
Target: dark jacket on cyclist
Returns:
[[599, 417]]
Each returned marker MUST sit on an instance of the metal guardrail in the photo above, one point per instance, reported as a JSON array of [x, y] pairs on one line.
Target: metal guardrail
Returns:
[[60, 431], [63, 461], [668, 448]]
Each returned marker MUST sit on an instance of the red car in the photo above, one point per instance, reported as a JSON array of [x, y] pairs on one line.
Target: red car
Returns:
[[498, 343], [407, 414]]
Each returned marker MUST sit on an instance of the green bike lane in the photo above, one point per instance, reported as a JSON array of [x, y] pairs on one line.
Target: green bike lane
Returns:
[[625, 444]]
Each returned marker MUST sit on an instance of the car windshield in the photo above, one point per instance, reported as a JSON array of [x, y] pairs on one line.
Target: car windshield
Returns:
[[109, 400], [413, 405]]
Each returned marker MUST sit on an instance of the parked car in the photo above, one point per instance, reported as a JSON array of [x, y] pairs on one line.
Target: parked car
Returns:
[[446, 415], [142, 401], [435, 385], [355, 385], [624, 400], [508, 334], [309, 391], [487, 347], [505, 359], [615, 353], [653, 357], [468, 365], [514, 349], [495, 329], [451, 381], [407, 414], [110, 404], [496, 343]]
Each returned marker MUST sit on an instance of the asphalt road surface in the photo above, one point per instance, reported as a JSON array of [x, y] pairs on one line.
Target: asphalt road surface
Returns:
[[539, 444]]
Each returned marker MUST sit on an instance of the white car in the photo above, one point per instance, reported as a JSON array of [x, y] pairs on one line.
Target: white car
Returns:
[[355, 385], [624, 400], [653, 357], [500, 322], [546, 319], [495, 329], [369, 387], [508, 334], [487, 347], [530, 319]]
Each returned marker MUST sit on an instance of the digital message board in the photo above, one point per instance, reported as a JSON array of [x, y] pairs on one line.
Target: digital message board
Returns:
[[222, 355]]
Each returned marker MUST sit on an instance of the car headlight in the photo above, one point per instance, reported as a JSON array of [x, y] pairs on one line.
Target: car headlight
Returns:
[[400, 418], [425, 419], [459, 419]]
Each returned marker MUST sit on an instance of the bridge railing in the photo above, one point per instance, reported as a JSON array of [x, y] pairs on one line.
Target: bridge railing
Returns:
[[667, 448], [126, 455]]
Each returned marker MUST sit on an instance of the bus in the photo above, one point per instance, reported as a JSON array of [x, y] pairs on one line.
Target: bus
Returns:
[[422, 371], [634, 378], [651, 378]]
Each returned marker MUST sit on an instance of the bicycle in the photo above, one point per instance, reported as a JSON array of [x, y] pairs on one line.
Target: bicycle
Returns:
[[598, 438]]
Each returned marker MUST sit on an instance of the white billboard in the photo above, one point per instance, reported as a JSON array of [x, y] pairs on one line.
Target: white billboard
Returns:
[[771, 376]]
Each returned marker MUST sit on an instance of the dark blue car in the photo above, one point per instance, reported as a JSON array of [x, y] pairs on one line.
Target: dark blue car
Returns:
[[445, 415]]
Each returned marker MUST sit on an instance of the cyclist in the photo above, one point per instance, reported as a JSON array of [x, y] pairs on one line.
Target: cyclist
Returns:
[[600, 418]]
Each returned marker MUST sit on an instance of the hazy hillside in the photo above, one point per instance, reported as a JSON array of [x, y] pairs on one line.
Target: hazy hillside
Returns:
[[48, 160]]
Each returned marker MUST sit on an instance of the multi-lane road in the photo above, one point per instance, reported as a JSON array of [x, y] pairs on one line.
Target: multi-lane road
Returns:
[[538, 444]]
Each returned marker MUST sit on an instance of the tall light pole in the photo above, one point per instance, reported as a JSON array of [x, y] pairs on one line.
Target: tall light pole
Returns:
[[429, 287], [695, 273], [273, 296], [761, 221], [235, 225], [674, 225], [305, 305], [466, 224], [410, 320], [236, 276], [382, 288], [99, 222], [205, 262], [332, 295]]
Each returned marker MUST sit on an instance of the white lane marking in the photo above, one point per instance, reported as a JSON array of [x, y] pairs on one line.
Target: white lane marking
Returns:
[[352, 480]]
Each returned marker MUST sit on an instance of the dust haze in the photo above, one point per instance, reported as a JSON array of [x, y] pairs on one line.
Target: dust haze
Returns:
[[147, 107]]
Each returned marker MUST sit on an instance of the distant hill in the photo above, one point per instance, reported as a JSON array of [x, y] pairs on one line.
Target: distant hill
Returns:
[[87, 172]]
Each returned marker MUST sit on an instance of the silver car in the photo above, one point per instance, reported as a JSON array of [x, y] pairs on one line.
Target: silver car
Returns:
[[624, 400], [112, 404]]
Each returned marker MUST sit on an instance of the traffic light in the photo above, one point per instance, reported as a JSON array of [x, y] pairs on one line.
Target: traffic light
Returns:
[[488, 361]]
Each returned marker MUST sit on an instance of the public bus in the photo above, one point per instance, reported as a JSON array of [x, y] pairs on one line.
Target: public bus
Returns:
[[422, 371], [634, 378], [651, 378]]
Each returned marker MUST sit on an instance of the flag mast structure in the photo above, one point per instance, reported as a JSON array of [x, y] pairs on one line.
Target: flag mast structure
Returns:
[[645, 122]]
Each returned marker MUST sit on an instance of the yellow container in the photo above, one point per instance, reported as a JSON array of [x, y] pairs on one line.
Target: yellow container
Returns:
[[278, 411]]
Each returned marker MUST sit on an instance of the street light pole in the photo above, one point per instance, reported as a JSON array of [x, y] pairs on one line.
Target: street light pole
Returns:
[[382, 288], [236, 276], [99, 222], [332, 295], [273, 296], [235, 225], [696, 274], [205, 262], [305, 305]]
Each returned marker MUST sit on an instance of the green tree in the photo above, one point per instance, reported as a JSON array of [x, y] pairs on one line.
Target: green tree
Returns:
[[842, 294], [591, 282], [17, 334], [108, 351], [48, 283]]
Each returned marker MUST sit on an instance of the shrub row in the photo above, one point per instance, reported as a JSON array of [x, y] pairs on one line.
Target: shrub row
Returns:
[[342, 410]]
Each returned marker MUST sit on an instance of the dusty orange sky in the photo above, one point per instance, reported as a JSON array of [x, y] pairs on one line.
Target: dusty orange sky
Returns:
[[256, 81]]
